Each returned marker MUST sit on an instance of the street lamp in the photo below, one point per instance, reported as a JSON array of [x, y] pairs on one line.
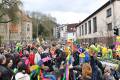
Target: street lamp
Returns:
[[37, 29]]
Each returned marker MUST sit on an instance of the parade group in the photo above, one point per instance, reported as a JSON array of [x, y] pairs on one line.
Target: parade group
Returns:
[[70, 61]]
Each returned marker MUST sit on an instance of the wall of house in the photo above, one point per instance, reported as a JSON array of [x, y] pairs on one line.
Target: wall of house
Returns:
[[63, 32], [26, 31], [15, 32], [29, 33], [4, 32], [117, 13], [102, 21]]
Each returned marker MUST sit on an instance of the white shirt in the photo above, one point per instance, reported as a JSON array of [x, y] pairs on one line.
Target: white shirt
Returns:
[[21, 76]]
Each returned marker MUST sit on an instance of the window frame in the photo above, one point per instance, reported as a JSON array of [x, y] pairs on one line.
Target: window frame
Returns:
[[94, 24], [89, 24], [82, 29], [85, 28], [109, 27], [109, 12]]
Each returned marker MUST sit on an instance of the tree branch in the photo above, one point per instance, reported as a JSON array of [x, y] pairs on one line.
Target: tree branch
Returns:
[[2, 14], [6, 21]]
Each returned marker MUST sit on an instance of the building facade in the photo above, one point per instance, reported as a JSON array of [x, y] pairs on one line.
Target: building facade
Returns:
[[4, 30], [72, 31], [56, 33], [22, 31], [63, 32], [68, 32], [26, 33], [99, 26]]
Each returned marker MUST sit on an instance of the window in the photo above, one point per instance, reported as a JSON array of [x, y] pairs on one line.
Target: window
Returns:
[[94, 25], [28, 29], [62, 28], [28, 37], [82, 30], [89, 23], [109, 12], [109, 27], [28, 25], [85, 28]]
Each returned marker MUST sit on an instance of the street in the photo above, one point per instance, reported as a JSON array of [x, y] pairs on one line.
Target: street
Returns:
[[59, 40]]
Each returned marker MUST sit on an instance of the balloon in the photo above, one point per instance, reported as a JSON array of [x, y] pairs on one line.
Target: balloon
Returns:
[[82, 55], [98, 48], [81, 50], [104, 50], [87, 57], [110, 54], [34, 67], [67, 50], [93, 48]]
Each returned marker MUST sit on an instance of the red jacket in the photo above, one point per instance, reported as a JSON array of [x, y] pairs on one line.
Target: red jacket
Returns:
[[20, 53], [31, 58]]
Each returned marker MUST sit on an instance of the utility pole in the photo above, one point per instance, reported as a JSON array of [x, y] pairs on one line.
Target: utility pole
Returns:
[[37, 29]]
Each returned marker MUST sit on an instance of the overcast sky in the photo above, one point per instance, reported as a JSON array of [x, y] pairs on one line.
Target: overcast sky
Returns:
[[65, 11]]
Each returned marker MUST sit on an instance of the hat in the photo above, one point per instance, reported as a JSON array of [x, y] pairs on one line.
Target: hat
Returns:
[[94, 48]]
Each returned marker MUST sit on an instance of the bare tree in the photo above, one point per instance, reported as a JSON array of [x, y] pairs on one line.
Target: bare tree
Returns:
[[9, 8], [43, 25]]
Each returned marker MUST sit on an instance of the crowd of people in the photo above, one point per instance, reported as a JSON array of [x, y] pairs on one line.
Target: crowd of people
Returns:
[[56, 62]]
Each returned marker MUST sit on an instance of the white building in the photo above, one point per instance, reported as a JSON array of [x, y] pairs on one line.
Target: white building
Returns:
[[98, 27], [72, 31], [56, 32], [68, 32], [63, 32]]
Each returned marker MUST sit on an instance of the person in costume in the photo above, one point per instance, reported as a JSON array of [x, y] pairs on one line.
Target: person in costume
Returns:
[[108, 74], [18, 47], [97, 68], [5, 73], [38, 56], [31, 57], [86, 71], [21, 74]]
